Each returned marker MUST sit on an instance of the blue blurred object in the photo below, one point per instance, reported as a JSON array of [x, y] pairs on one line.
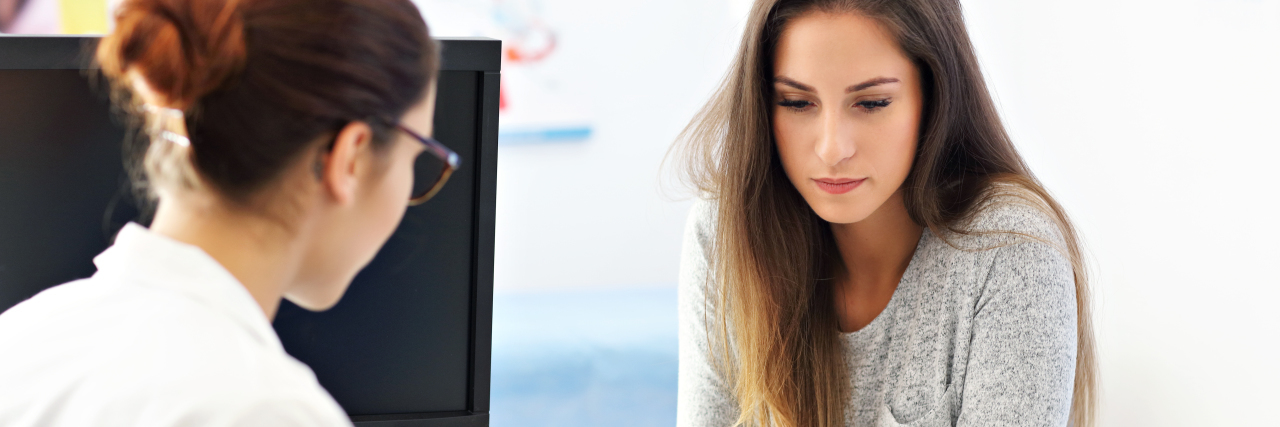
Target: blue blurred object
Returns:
[[566, 134], [584, 358]]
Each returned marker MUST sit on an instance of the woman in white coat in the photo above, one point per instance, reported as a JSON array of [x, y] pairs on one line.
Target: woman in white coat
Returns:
[[283, 138]]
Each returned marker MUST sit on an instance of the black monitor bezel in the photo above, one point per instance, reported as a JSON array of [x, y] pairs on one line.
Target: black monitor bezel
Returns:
[[480, 55]]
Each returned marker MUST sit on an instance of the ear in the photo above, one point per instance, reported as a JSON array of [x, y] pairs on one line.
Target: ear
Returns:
[[342, 166]]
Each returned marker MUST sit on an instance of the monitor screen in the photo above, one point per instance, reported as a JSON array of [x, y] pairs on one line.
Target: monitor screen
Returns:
[[409, 341]]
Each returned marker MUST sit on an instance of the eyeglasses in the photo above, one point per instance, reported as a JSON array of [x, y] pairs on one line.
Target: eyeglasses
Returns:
[[430, 172]]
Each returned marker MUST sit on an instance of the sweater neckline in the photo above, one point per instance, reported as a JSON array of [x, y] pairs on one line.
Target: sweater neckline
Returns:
[[894, 300]]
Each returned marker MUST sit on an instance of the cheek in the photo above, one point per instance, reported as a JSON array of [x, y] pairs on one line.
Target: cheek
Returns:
[[896, 151], [398, 185], [401, 180], [390, 198], [791, 141]]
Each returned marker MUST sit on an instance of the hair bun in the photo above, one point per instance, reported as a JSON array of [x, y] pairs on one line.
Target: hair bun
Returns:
[[184, 49]]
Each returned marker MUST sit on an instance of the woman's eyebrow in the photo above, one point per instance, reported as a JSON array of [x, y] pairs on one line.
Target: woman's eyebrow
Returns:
[[870, 83], [795, 84], [860, 86]]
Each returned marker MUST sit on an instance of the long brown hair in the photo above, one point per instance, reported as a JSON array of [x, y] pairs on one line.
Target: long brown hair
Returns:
[[784, 358], [260, 81]]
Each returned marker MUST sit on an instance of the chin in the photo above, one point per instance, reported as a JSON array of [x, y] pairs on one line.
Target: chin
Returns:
[[841, 213], [319, 297]]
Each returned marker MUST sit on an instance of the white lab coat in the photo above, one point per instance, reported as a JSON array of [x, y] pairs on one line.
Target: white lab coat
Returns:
[[162, 335]]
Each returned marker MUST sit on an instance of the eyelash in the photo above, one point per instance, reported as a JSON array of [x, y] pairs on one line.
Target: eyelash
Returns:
[[794, 105], [872, 106], [869, 106]]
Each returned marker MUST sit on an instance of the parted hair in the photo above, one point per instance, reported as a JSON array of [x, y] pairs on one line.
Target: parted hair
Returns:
[[773, 327], [260, 81]]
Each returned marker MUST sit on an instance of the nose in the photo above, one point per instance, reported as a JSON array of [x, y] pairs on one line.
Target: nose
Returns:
[[836, 141]]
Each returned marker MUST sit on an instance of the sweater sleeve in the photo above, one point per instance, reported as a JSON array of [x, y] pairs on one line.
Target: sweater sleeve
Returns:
[[1021, 366], [703, 397]]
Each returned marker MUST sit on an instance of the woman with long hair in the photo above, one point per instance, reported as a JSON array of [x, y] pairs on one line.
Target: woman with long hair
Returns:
[[872, 250], [281, 138]]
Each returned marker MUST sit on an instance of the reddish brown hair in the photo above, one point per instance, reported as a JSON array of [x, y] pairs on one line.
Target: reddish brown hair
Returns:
[[261, 80]]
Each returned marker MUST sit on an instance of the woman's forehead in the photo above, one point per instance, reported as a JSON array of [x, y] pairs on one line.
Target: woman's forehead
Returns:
[[838, 49]]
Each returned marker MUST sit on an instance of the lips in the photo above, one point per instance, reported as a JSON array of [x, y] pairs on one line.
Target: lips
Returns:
[[838, 185]]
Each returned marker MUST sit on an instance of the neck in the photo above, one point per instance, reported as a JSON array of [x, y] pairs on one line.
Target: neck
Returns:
[[877, 250], [258, 251]]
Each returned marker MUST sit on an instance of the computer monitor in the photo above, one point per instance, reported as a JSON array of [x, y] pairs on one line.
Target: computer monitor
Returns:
[[409, 343]]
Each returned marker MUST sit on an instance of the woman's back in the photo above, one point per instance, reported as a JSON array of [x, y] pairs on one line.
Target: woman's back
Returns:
[[283, 139], [161, 335]]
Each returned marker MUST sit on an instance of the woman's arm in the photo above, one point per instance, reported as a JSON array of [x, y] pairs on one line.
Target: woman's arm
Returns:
[[1022, 355], [703, 397]]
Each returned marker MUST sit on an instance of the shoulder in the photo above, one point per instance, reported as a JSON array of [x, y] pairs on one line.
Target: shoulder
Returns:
[[105, 317], [1020, 247], [1008, 214], [273, 394], [59, 299], [697, 288], [1012, 238], [135, 353], [699, 239], [231, 385], [698, 247], [211, 362], [700, 227]]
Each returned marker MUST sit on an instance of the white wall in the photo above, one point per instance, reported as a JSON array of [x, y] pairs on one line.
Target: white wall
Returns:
[[1154, 123], [590, 214]]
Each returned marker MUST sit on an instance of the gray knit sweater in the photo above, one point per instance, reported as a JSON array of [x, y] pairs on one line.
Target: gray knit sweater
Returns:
[[983, 334]]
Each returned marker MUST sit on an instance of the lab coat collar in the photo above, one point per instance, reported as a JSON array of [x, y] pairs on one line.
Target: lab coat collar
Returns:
[[142, 256]]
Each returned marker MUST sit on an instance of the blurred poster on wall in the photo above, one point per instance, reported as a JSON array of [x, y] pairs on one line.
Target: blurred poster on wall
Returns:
[[55, 16], [535, 106]]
